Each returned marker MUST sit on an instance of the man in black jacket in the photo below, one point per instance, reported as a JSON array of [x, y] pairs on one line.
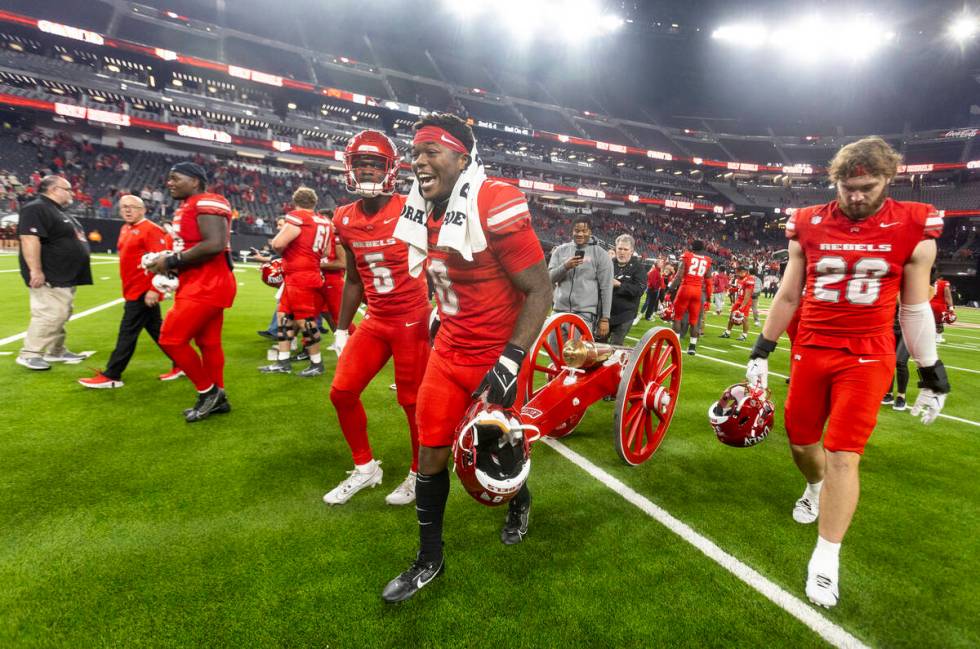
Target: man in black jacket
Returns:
[[629, 284], [54, 259]]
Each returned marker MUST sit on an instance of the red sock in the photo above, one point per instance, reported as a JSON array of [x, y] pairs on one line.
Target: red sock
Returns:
[[187, 359], [353, 423]]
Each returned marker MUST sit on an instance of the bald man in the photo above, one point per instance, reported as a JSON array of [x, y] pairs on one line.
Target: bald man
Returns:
[[142, 311]]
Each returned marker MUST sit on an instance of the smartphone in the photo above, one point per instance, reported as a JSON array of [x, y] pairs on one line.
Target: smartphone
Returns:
[[579, 253]]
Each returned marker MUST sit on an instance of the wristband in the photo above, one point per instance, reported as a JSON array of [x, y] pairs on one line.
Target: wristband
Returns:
[[934, 378], [173, 261], [762, 348]]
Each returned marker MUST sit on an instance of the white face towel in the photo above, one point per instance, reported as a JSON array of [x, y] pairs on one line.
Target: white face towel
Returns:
[[461, 229]]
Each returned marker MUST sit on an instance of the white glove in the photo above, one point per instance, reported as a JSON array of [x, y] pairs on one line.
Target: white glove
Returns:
[[928, 404], [340, 338], [757, 372]]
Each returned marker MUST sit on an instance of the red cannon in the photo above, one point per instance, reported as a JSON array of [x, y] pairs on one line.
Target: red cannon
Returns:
[[567, 372]]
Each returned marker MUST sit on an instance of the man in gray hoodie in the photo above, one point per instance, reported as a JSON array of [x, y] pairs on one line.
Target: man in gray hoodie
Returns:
[[583, 276]]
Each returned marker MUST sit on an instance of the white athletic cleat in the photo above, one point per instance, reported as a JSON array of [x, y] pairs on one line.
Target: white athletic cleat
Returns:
[[354, 482], [404, 494], [805, 511], [821, 587]]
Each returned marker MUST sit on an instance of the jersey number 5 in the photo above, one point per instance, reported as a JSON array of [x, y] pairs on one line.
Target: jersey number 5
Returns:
[[863, 284], [383, 281]]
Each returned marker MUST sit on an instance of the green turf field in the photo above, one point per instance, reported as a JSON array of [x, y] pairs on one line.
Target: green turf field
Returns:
[[124, 526]]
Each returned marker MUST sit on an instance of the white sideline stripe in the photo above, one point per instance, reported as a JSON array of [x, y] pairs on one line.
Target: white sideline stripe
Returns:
[[832, 633], [714, 349], [962, 369], [82, 314], [783, 376], [94, 263], [968, 346]]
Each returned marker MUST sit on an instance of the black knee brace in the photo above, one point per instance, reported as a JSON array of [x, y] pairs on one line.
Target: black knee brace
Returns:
[[284, 328], [311, 333]]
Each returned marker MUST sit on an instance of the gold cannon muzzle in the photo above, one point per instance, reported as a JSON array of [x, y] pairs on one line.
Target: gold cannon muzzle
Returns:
[[583, 353]]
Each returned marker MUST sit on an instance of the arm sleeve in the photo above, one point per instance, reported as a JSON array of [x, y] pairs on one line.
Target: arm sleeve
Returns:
[[933, 226], [919, 333], [31, 222], [604, 274]]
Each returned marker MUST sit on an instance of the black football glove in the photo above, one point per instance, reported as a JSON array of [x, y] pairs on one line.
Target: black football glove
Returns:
[[500, 383]]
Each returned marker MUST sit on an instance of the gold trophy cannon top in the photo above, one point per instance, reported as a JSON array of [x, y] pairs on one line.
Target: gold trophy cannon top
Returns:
[[580, 354]]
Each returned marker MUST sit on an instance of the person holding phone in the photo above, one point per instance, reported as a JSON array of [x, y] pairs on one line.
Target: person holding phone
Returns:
[[582, 273]]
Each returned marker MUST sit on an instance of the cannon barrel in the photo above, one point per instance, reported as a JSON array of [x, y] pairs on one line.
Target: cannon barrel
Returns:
[[586, 353]]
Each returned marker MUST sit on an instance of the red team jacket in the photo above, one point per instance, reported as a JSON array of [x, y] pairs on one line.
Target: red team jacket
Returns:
[[853, 271], [211, 282], [381, 260], [135, 241], [478, 304]]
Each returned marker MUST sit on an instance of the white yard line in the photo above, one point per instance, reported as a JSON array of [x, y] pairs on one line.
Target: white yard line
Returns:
[[82, 314], [714, 349], [832, 633]]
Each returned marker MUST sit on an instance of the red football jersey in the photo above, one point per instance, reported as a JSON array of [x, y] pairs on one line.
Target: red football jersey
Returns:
[[478, 304], [746, 287], [854, 271], [211, 282], [135, 241], [697, 268], [301, 258], [938, 301], [381, 260]]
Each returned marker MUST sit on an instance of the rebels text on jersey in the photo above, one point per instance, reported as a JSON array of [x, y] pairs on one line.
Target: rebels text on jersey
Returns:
[[696, 268], [212, 281], [854, 271], [478, 304], [381, 259], [301, 258]]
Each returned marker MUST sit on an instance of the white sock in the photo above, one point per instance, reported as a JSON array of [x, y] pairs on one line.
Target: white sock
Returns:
[[367, 468], [728, 331], [826, 556], [694, 341], [315, 358], [284, 356], [812, 492]]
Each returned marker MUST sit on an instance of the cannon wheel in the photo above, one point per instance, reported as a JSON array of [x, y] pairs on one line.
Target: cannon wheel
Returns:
[[647, 395], [544, 361]]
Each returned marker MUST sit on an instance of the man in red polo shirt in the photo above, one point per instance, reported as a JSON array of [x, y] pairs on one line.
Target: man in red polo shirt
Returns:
[[142, 311]]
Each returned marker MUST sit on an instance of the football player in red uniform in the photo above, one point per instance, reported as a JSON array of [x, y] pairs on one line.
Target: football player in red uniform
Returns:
[[491, 309], [396, 324], [302, 242], [202, 257], [743, 303], [692, 278], [855, 255], [333, 265], [942, 301]]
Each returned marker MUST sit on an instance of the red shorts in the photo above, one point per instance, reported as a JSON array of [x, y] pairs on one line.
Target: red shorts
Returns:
[[301, 302], [839, 389], [192, 320], [332, 292], [406, 340], [445, 395], [688, 301]]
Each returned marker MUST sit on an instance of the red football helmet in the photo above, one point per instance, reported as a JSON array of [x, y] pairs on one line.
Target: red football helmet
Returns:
[[667, 311], [743, 415], [272, 273], [492, 453], [949, 316], [379, 145], [738, 317]]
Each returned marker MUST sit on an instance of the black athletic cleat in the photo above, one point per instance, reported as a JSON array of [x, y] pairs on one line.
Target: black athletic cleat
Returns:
[[515, 527], [888, 399], [315, 369], [303, 355], [277, 367], [417, 577], [899, 404], [208, 403], [692, 350], [725, 334], [268, 335]]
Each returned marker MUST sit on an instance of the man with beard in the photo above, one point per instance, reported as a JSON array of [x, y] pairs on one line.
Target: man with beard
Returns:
[[855, 255]]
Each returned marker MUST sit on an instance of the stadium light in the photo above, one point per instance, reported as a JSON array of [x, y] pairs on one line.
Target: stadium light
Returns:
[[811, 38], [963, 28], [572, 19]]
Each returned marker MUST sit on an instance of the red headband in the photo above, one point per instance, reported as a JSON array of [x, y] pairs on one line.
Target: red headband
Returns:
[[440, 135], [858, 170]]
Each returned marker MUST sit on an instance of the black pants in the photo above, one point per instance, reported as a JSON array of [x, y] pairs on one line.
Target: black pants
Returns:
[[136, 317], [653, 301]]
